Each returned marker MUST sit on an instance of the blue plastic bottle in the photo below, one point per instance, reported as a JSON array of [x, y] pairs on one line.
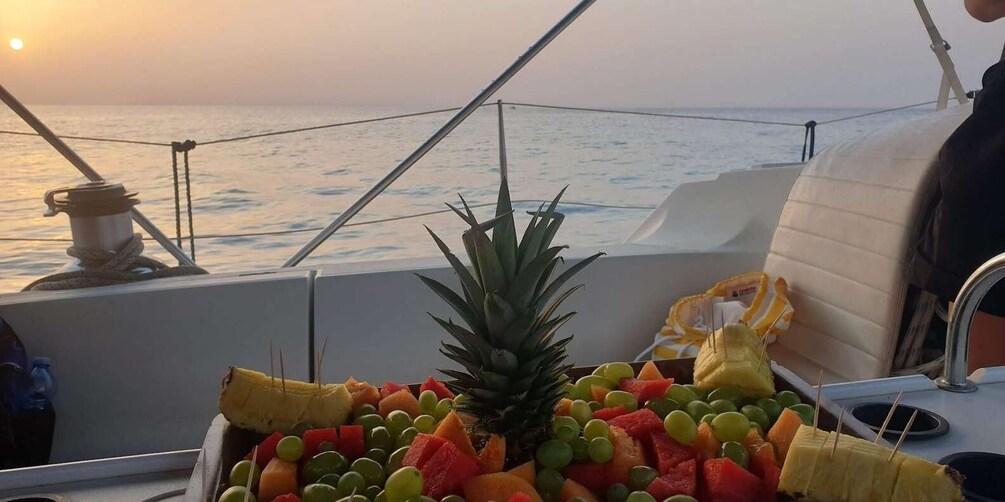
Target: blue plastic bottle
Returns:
[[43, 383]]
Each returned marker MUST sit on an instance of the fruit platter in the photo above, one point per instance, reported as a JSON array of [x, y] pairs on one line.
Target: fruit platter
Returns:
[[511, 421]]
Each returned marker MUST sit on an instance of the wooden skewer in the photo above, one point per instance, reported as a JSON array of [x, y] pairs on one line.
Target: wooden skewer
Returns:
[[321, 360], [710, 324], [764, 348], [903, 435], [889, 415], [838, 431], [282, 372], [816, 409], [272, 369], [725, 348], [251, 472]]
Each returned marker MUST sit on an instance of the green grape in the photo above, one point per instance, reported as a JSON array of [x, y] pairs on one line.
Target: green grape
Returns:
[[427, 402], [805, 411], [566, 434], [355, 498], [402, 484], [617, 493], [377, 454], [576, 499], [453, 498], [640, 497], [422, 498], [406, 437], [640, 476], [707, 419], [370, 469], [290, 448], [756, 415], [662, 406], [617, 398], [571, 391], [425, 424], [326, 446], [460, 400], [396, 422], [600, 450], [787, 398], [394, 460], [730, 426], [681, 427], [379, 437], [698, 409], [299, 428], [698, 391], [596, 428], [366, 409], [771, 407], [318, 492], [569, 422], [580, 411], [330, 480], [735, 452], [351, 482], [681, 498], [599, 371], [372, 492], [580, 449], [728, 393], [328, 462], [681, 394], [757, 427], [237, 494], [369, 422], [549, 481], [554, 454], [584, 386], [722, 405], [443, 408], [614, 372], [596, 405], [239, 473]]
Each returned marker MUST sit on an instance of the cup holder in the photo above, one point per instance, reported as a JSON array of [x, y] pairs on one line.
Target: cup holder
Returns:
[[36, 498], [983, 473], [926, 426]]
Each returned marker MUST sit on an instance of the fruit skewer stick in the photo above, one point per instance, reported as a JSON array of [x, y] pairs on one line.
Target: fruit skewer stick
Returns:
[[251, 472], [764, 339], [838, 433], [272, 369], [816, 405], [320, 361], [889, 416], [282, 372], [903, 435], [725, 348], [710, 326]]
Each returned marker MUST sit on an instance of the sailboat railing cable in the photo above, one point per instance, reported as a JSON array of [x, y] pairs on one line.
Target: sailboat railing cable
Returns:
[[888, 110], [656, 114]]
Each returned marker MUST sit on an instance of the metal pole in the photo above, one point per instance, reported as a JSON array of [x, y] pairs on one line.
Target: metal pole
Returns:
[[87, 171], [441, 133], [502, 142], [940, 47]]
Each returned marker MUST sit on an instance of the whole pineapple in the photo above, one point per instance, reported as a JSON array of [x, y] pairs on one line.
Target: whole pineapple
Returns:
[[513, 369]]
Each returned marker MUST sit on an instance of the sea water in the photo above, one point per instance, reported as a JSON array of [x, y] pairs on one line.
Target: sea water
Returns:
[[299, 182]]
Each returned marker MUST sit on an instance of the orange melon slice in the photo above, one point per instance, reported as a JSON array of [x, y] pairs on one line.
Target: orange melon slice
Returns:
[[279, 477], [525, 471], [649, 371], [401, 400], [783, 431], [706, 445], [362, 393], [628, 453], [563, 406], [452, 429], [572, 489], [599, 393], [497, 486], [493, 456]]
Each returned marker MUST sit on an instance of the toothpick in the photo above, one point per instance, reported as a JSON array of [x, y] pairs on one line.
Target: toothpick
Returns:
[[282, 371], [251, 472], [889, 415], [764, 348], [816, 409], [321, 360], [903, 435], [725, 348], [772, 325], [272, 369], [710, 325], [838, 431]]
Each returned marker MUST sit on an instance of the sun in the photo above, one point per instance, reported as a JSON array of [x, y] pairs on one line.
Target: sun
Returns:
[[16, 44]]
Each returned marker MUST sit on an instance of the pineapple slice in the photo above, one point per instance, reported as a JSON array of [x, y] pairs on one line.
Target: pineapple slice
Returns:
[[801, 461], [921, 480], [831, 468], [250, 400], [859, 472], [742, 369]]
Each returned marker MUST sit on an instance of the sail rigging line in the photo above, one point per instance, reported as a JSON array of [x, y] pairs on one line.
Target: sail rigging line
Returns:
[[877, 112], [656, 114], [89, 138]]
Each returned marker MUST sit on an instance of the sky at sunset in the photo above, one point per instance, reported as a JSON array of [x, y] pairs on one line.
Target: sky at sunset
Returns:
[[418, 53]]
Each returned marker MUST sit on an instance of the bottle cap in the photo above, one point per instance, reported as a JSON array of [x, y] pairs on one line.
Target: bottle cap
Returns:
[[43, 361]]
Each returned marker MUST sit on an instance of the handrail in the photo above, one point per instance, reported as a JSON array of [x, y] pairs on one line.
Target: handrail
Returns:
[[441, 133]]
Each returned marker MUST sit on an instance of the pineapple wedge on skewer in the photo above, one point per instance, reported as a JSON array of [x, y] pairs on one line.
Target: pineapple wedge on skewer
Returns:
[[734, 362], [251, 401], [920, 479]]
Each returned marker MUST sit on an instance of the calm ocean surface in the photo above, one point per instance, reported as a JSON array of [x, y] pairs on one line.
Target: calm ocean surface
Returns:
[[304, 180]]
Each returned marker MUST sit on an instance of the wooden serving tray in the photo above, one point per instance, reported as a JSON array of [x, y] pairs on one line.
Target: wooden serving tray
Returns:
[[225, 445]]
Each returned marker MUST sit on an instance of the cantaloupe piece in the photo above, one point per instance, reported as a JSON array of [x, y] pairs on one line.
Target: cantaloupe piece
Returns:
[[628, 453], [783, 431], [572, 489], [526, 471], [497, 486], [278, 478], [563, 406], [362, 393], [401, 400], [452, 429], [649, 371], [599, 393], [706, 445], [493, 455]]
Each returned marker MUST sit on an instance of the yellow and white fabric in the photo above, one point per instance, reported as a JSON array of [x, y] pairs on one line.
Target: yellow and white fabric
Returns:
[[753, 298]]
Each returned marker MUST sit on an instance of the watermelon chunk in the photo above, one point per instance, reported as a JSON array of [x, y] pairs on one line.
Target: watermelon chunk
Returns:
[[769, 492], [352, 443], [520, 497], [681, 480], [441, 391], [606, 414], [422, 449], [644, 390], [591, 475], [638, 424], [389, 388], [266, 450], [314, 437], [446, 471], [725, 481], [289, 497], [667, 452]]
